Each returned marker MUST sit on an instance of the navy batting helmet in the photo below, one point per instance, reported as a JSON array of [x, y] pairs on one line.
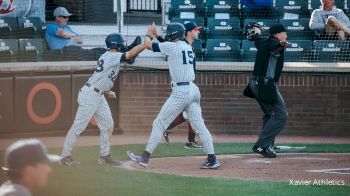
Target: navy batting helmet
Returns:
[[115, 41], [175, 31]]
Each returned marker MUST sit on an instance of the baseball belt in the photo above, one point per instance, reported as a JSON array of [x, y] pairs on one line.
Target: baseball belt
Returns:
[[95, 89]]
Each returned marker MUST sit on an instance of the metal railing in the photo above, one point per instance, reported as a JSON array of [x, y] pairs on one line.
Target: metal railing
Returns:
[[144, 6]]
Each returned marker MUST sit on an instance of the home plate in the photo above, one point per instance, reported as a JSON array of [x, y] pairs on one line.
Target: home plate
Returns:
[[290, 147], [228, 156], [258, 161]]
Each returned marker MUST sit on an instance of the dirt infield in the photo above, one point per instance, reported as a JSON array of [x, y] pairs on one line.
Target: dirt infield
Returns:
[[179, 137], [288, 167], [296, 169]]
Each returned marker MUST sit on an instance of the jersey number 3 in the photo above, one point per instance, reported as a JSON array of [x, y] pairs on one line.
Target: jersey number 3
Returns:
[[99, 67], [187, 57]]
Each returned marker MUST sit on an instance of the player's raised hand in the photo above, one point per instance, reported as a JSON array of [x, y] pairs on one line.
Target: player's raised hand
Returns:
[[111, 94], [150, 31], [155, 33]]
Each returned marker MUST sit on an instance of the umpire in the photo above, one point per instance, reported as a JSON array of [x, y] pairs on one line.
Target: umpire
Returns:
[[267, 70]]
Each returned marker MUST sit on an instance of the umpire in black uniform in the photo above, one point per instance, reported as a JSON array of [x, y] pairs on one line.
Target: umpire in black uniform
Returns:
[[267, 70]]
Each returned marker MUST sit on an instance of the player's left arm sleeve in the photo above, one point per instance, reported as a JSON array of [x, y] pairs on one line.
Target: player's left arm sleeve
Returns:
[[123, 59]]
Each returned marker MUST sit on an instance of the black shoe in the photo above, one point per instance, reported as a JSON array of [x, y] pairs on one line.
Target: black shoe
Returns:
[[141, 159], [267, 152], [109, 160], [68, 161], [193, 145], [166, 136], [136, 42], [210, 165]]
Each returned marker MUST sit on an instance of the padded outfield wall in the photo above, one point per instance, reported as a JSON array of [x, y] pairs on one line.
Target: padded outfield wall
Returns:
[[40, 97]]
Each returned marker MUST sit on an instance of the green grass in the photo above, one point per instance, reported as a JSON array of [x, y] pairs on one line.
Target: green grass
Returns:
[[90, 178]]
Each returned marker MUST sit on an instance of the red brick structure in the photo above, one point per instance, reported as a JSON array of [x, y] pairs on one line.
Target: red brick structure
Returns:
[[318, 105], [40, 98]]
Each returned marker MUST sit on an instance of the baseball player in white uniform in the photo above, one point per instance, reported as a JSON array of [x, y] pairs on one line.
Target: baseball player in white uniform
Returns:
[[92, 102], [185, 95]]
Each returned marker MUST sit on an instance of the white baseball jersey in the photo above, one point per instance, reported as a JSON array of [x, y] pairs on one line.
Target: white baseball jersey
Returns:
[[180, 60], [185, 95], [106, 71], [94, 104]]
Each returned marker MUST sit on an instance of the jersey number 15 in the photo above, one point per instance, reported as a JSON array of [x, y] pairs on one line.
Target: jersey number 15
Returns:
[[187, 57]]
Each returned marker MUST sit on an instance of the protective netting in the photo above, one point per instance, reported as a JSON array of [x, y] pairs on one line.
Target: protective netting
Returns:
[[23, 24], [223, 36]]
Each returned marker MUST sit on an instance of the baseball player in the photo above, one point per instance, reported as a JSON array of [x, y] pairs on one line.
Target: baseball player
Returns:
[[185, 95], [191, 143], [92, 102], [182, 117], [26, 165]]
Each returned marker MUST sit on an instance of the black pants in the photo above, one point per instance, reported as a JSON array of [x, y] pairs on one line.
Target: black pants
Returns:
[[274, 119], [77, 53]]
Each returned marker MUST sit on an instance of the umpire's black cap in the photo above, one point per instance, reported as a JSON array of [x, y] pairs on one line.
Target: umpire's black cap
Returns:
[[277, 28]]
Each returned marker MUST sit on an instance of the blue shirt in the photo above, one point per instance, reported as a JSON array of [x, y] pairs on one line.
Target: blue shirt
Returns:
[[256, 4], [55, 42]]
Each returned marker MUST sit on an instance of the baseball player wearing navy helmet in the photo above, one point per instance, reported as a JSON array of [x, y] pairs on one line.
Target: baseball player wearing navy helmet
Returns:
[[191, 29], [185, 95], [92, 102]]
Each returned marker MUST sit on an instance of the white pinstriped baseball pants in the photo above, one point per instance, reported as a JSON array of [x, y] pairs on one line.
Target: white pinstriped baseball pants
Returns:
[[182, 98], [91, 104]]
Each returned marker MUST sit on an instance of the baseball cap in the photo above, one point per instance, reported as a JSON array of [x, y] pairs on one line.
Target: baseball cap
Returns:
[[277, 28], [191, 26], [26, 152], [61, 11]]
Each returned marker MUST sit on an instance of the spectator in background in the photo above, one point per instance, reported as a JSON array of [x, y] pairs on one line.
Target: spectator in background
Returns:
[[251, 4], [257, 8], [330, 22], [26, 164], [32, 8], [60, 36]]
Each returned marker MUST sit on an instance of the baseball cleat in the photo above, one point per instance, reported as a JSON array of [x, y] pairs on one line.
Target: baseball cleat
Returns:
[[67, 161], [108, 159], [193, 145], [140, 159], [210, 165], [266, 152], [166, 137]]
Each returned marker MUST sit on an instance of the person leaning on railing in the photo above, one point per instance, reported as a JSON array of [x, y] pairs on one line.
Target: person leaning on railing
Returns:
[[60, 36]]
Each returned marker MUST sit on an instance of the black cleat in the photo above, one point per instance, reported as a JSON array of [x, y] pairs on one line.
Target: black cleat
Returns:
[[166, 136], [266, 152], [109, 160]]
